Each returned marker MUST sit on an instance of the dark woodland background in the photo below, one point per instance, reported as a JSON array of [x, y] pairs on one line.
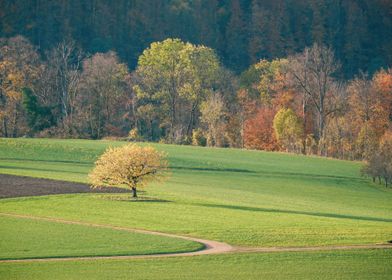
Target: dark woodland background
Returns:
[[241, 31]]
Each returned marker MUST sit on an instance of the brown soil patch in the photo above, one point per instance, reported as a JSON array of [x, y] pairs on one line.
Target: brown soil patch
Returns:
[[17, 186]]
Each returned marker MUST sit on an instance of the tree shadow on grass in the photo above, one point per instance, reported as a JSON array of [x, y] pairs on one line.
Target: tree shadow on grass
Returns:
[[40, 169], [212, 169], [128, 198], [50, 161], [272, 174], [314, 214], [299, 175]]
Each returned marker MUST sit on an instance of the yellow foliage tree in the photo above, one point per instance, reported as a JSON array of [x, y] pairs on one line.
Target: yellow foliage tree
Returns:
[[288, 129], [129, 166]]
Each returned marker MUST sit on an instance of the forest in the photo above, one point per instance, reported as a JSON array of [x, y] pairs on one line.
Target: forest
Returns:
[[241, 31], [275, 76]]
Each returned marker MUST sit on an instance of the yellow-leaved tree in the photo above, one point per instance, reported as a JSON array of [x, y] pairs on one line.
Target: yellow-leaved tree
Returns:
[[129, 166]]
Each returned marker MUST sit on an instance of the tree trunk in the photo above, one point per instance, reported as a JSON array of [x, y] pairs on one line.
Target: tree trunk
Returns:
[[15, 124], [321, 124], [5, 127], [304, 125], [134, 192]]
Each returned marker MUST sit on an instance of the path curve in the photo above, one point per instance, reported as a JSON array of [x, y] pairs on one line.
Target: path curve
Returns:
[[210, 246]]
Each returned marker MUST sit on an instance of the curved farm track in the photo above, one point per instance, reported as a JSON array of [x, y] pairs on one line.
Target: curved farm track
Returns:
[[16, 186]]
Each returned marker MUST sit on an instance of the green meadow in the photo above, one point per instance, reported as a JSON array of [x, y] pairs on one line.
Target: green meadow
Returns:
[[25, 238], [244, 198], [363, 264]]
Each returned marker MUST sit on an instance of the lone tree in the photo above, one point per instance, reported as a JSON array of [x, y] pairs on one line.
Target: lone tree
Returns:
[[129, 166]]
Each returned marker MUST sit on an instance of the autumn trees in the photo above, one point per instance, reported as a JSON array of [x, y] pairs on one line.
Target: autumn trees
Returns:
[[171, 81], [313, 74], [366, 116], [62, 93], [303, 100], [103, 96], [129, 166], [180, 93], [19, 68], [95, 96], [91, 71]]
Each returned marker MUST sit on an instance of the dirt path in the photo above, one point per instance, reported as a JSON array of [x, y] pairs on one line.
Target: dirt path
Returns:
[[210, 246]]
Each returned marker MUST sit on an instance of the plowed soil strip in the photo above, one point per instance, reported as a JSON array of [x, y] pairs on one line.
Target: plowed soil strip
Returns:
[[17, 186]]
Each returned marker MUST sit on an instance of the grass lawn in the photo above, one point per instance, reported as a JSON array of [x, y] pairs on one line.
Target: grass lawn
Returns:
[[361, 264], [241, 197], [25, 238], [244, 198]]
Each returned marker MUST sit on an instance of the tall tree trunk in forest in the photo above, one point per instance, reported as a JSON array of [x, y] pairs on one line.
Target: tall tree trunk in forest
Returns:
[[191, 120], [5, 127], [304, 124], [15, 123]]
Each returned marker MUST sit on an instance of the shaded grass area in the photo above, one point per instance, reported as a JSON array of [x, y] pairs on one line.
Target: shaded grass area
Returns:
[[359, 264], [25, 238], [315, 214]]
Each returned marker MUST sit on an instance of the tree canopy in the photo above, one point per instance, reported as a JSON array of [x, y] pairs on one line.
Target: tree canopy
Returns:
[[129, 166], [173, 78]]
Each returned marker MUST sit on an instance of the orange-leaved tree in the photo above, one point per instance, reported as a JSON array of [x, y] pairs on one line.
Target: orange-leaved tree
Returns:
[[259, 132], [129, 166]]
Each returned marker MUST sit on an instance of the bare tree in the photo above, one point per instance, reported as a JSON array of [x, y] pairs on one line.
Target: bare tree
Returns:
[[64, 62], [312, 73], [103, 90]]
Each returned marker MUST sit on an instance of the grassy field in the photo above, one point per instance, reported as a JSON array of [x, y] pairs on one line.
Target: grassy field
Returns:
[[25, 238], [244, 198], [364, 264], [241, 197]]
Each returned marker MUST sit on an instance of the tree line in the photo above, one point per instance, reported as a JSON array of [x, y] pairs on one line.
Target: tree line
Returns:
[[181, 93]]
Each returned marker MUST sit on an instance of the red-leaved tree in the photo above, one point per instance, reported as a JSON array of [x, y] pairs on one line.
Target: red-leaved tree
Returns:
[[259, 132]]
